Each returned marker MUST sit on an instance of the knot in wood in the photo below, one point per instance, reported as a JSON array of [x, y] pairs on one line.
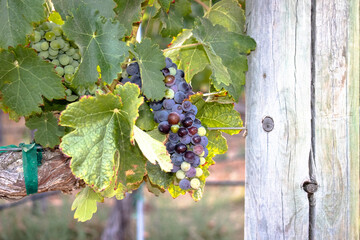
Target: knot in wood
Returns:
[[268, 124], [310, 187]]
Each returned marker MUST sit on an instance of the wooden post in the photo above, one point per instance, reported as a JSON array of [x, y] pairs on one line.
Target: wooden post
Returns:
[[303, 76]]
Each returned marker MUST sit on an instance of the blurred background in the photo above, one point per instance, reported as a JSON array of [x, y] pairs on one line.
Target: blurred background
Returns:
[[219, 215]]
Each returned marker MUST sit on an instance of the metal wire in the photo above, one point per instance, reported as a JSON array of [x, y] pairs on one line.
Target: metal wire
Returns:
[[17, 149]]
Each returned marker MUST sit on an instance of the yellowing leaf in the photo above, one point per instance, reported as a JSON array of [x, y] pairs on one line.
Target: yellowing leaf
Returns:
[[85, 204]]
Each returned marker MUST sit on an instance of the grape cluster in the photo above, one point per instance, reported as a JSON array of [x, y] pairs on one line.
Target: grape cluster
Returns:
[[176, 116], [132, 74], [51, 45]]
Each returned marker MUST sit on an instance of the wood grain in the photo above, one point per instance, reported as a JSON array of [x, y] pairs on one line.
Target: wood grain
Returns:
[[53, 175]]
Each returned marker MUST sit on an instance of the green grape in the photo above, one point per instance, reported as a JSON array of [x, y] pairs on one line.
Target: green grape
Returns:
[[60, 71], [68, 92], [53, 52], [172, 71], [64, 59], [37, 36], [124, 74], [92, 89], [169, 93], [199, 172], [44, 46], [70, 60], [75, 63], [175, 128], [55, 44], [185, 166], [52, 57], [202, 160], [69, 69], [61, 42], [42, 32], [70, 52], [55, 62], [43, 54], [76, 56], [46, 26], [201, 131], [50, 36], [81, 91], [68, 78], [66, 47], [180, 174], [57, 30], [195, 183], [37, 46]]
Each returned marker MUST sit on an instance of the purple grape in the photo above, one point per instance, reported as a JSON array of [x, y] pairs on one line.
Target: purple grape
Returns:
[[182, 117], [180, 73], [190, 115], [182, 132], [170, 147], [177, 159], [189, 156], [174, 138], [169, 80], [206, 152], [168, 62], [174, 66], [174, 118], [197, 123], [156, 105], [198, 149], [186, 106], [125, 80], [192, 131], [184, 184], [189, 93], [180, 148], [187, 122], [179, 97], [137, 80], [133, 68], [168, 103], [196, 139], [194, 109], [185, 139], [165, 71], [176, 168], [161, 115], [174, 88], [191, 173], [177, 108], [196, 162], [183, 87], [204, 141], [164, 127]]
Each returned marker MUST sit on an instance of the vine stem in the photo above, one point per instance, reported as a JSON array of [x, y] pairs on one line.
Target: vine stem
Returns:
[[183, 46], [226, 128], [206, 7]]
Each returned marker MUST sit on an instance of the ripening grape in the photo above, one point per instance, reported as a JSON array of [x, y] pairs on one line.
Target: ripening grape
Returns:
[[172, 71], [185, 166], [198, 149], [187, 122], [195, 183], [199, 172], [175, 128], [180, 174], [201, 131], [202, 161], [169, 93], [174, 118], [192, 130]]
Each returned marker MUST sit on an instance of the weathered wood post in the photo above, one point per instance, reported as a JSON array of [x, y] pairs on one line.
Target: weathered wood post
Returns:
[[303, 76]]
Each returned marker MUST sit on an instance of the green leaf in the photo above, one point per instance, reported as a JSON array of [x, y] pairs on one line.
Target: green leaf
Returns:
[[158, 177], [25, 78], [153, 188], [214, 114], [193, 59], [229, 14], [67, 7], [175, 190], [146, 118], [218, 43], [156, 134], [48, 132], [100, 44], [217, 143], [100, 145], [56, 18], [151, 61], [128, 12], [173, 21], [85, 204], [165, 4], [177, 42], [154, 150], [16, 18]]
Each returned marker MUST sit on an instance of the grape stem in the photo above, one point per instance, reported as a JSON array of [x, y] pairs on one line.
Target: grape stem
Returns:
[[226, 128], [206, 7], [113, 85], [183, 46]]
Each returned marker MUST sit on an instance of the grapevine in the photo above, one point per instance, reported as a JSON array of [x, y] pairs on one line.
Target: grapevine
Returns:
[[127, 112]]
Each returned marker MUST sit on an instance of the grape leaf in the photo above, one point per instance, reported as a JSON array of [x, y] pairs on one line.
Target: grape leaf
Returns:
[[175, 190], [165, 4], [153, 188], [151, 61], [85, 204], [193, 59], [100, 44], [158, 177], [25, 78], [145, 120], [154, 150], [67, 7], [173, 21], [17, 18], [128, 12], [177, 42], [48, 132], [214, 114], [217, 144], [229, 14], [100, 142], [218, 43]]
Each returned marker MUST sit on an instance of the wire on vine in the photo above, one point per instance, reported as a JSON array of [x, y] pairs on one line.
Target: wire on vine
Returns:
[[182, 46]]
